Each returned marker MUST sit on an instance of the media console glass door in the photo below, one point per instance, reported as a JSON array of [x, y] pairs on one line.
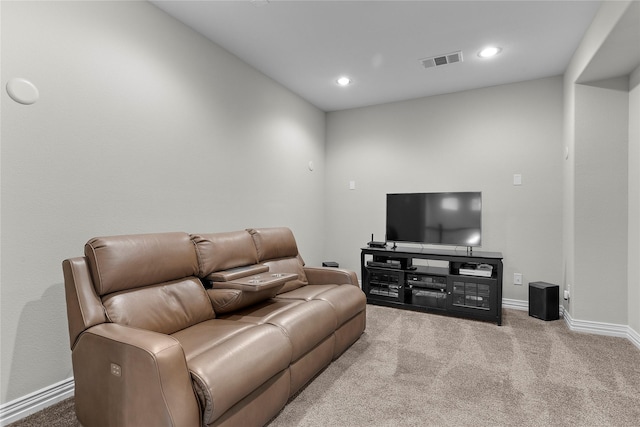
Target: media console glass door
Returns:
[[384, 284], [471, 294]]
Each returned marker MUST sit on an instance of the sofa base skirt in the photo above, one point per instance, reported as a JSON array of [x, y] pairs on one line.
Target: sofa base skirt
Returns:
[[349, 333], [259, 407], [305, 368]]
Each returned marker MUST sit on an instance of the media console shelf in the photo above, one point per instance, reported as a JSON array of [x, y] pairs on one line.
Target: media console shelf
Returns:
[[460, 283]]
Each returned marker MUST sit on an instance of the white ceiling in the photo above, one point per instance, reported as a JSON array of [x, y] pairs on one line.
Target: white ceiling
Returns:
[[307, 45]]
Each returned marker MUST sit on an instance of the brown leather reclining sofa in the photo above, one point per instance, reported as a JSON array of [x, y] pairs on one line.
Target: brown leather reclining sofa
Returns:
[[174, 329]]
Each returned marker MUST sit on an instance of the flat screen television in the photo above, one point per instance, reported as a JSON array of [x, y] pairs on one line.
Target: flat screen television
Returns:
[[453, 218]]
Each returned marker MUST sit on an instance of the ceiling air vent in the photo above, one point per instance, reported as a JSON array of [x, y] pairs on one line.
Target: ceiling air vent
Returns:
[[437, 61]]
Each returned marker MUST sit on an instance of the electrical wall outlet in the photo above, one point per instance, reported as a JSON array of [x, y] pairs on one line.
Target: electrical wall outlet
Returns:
[[517, 278]]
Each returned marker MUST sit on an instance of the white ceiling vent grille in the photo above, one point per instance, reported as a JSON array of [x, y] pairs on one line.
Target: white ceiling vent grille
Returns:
[[437, 61]]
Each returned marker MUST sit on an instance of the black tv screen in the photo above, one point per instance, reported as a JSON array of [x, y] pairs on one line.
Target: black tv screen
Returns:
[[435, 218]]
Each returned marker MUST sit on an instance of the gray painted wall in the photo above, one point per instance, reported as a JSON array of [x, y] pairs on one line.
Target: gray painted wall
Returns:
[[468, 141], [600, 216], [600, 221], [634, 201], [142, 126]]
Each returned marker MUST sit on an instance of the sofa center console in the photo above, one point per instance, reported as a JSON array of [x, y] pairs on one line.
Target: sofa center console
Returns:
[[257, 283], [457, 283]]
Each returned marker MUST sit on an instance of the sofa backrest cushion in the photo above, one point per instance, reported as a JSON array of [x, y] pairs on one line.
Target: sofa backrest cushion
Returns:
[[277, 249], [224, 251], [119, 263], [166, 308], [274, 243]]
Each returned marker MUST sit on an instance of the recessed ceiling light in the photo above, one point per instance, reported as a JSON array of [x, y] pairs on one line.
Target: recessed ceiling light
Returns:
[[259, 3], [343, 81], [488, 52]]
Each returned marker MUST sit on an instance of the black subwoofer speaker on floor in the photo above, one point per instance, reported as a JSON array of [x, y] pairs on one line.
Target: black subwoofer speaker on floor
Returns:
[[544, 300]]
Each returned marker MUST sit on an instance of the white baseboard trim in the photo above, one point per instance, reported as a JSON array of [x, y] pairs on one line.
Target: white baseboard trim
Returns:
[[602, 328], [598, 328], [36, 401], [515, 304], [634, 337]]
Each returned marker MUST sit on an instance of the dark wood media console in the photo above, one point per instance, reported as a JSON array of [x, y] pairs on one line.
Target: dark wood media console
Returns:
[[454, 285]]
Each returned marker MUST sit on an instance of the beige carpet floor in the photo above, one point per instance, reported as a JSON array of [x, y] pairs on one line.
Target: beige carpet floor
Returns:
[[418, 369]]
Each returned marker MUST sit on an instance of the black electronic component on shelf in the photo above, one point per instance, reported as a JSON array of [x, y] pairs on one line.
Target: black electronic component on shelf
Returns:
[[374, 244], [469, 286]]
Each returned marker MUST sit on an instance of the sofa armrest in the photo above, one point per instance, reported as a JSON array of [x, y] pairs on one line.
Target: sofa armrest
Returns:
[[84, 308], [127, 376], [330, 276]]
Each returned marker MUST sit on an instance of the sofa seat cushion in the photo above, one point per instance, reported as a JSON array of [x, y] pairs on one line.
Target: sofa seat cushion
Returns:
[[166, 308], [260, 313], [346, 300], [202, 337], [307, 293], [230, 370], [306, 323]]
